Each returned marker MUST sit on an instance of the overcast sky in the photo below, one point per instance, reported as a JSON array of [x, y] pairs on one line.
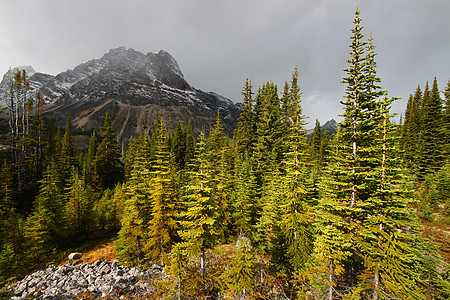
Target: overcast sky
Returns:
[[218, 44]]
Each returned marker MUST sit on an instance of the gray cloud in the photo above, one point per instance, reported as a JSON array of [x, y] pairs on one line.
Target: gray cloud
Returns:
[[220, 43]]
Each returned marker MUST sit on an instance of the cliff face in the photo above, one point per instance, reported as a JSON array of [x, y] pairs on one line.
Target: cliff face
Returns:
[[134, 88]]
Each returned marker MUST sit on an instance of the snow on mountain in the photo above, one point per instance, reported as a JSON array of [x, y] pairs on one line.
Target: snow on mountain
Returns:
[[122, 81]]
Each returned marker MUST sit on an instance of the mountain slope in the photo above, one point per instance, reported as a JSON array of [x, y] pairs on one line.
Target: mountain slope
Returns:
[[134, 88]]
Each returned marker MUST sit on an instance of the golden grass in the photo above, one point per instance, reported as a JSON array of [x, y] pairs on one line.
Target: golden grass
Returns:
[[440, 234], [105, 250]]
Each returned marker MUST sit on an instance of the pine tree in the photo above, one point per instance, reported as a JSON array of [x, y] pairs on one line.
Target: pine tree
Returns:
[[316, 147], [130, 157], [268, 150], [244, 198], [389, 251], [10, 233], [89, 168], [240, 277], [411, 131], [46, 226], [109, 166], [179, 146], [369, 241], [162, 227], [446, 122], [67, 156], [244, 134], [199, 228], [296, 225], [432, 147], [137, 205], [79, 206], [350, 178]]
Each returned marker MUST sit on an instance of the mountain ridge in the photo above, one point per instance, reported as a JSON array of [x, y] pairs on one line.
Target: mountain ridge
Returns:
[[134, 88]]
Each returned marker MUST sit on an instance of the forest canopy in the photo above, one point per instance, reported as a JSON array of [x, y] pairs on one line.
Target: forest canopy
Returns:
[[269, 211]]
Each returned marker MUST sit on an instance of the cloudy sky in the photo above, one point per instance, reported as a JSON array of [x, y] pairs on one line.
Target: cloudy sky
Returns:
[[218, 44]]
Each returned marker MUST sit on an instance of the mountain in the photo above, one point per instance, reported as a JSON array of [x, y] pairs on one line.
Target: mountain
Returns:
[[134, 88], [330, 125]]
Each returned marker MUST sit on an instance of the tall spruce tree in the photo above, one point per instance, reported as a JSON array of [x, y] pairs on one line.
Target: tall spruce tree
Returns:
[[446, 121], [368, 240], [432, 147], [162, 227], [137, 205], [109, 167], [244, 134], [350, 178], [67, 156], [79, 206], [296, 224], [199, 228], [46, 226], [270, 130]]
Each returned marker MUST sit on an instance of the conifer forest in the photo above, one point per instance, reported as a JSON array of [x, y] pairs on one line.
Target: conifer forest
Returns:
[[267, 213]]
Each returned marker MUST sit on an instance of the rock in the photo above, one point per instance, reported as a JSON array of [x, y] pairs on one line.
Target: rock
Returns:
[[74, 257], [98, 263], [106, 289], [105, 269], [101, 279], [114, 264]]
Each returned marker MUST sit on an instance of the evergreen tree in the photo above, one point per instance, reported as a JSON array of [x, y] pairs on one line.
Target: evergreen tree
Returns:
[[244, 198], [46, 226], [10, 231], [316, 148], [90, 174], [446, 122], [109, 166], [389, 250], [244, 134], [411, 131], [67, 156], [130, 157], [79, 206], [199, 228], [296, 225], [179, 146], [270, 131], [162, 227], [364, 212], [350, 178], [137, 205], [240, 277], [432, 147]]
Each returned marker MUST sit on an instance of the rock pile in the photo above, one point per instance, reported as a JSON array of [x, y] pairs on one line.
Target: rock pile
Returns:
[[84, 280]]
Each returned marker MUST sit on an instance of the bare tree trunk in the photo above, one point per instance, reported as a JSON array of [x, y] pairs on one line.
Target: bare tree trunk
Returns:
[[376, 284], [202, 262], [330, 282]]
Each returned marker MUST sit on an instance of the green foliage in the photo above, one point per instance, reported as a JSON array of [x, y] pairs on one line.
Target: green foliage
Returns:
[[162, 226], [79, 206], [240, 277], [108, 165], [244, 135], [46, 226], [109, 209], [328, 217], [434, 196], [199, 228], [244, 198], [137, 207]]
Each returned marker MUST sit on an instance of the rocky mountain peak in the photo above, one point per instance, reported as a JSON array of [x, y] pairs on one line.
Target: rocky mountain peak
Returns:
[[10, 74], [135, 88]]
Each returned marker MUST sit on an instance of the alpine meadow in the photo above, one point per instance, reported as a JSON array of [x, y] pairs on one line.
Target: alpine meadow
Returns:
[[251, 209]]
